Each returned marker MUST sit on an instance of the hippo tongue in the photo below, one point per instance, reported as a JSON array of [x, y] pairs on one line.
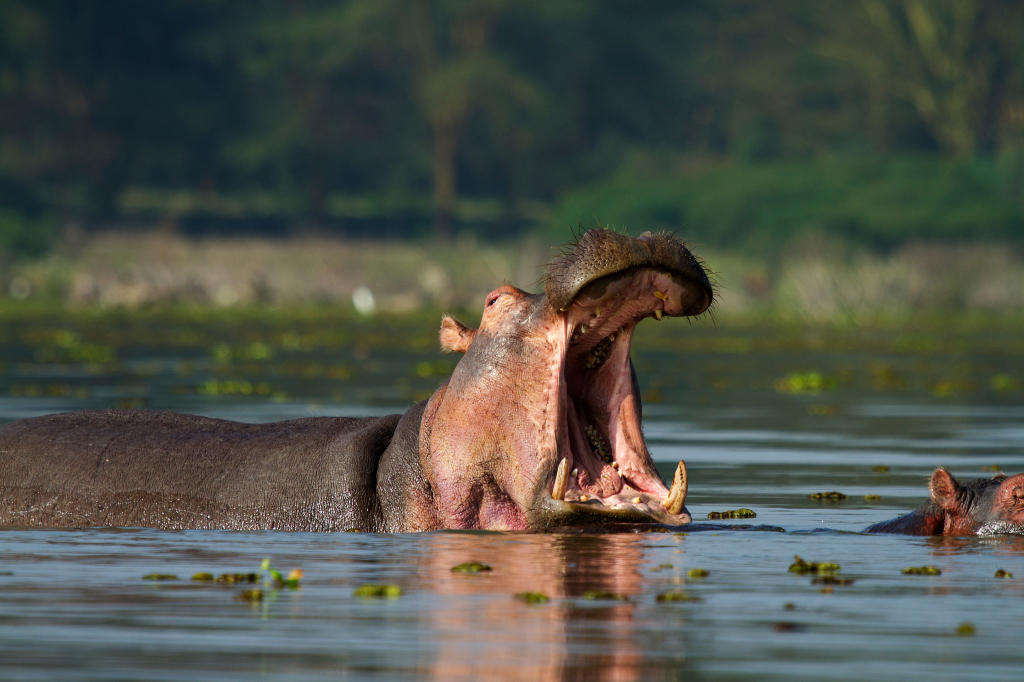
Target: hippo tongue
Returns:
[[609, 483]]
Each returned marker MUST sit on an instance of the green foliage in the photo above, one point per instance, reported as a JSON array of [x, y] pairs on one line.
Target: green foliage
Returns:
[[22, 236], [764, 207]]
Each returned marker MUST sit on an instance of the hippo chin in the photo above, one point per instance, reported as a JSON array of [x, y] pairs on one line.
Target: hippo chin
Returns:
[[538, 427], [984, 506]]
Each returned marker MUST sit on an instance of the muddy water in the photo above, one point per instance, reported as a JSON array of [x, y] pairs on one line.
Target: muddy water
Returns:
[[761, 424]]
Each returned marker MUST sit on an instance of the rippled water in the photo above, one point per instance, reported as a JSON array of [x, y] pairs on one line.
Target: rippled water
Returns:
[[73, 604]]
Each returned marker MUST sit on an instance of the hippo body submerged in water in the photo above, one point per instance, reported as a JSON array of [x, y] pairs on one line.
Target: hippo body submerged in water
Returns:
[[538, 427], [984, 506]]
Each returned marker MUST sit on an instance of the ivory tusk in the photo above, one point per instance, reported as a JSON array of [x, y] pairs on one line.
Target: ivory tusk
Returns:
[[677, 495], [561, 480]]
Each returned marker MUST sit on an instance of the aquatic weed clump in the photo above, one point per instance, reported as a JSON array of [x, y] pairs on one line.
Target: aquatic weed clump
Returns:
[[377, 592], [802, 566], [922, 570], [471, 567], [741, 513]]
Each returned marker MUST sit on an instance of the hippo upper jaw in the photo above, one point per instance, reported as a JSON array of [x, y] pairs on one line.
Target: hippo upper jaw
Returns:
[[603, 468]]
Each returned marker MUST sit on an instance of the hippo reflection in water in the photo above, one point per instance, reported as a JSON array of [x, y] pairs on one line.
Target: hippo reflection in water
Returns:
[[984, 506], [538, 427]]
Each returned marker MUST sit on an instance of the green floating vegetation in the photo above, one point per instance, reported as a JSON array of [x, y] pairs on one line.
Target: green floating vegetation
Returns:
[[992, 467], [805, 382], [277, 581], [378, 592], [238, 578], [789, 606], [829, 579], [203, 576], [697, 573], [1003, 574], [601, 595], [741, 513], [662, 567], [965, 629], [880, 469], [922, 570], [159, 576], [471, 567], [676, 596], [254, 594], [872, 497], [803, 566], [532, 597], [828, 496]]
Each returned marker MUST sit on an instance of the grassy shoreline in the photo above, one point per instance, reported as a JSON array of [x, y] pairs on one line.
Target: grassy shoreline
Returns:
[[814, 282]]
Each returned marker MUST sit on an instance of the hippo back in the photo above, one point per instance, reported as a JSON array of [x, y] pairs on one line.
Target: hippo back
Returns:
[[167, 470]]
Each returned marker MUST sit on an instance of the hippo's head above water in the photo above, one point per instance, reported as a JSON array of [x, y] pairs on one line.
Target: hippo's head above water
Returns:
[[539, 424], [538, 427], [984, 506]]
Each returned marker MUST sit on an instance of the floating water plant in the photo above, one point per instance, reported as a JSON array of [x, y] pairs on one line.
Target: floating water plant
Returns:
[[1003, 574], [532, 597], [254, 594], [277, 581], [880, 469], [238, 578], [872, 498], [829, 579], [471, 567], [378, 591], [741, 513], [676, 596], [828, 496], [697, 573], [203, 576], [803, 566], [965, 629], [922, 570], [604, 595], [159, 576]]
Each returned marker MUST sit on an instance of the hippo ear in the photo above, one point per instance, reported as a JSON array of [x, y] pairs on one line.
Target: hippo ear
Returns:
[[455, 336], [1011, 491], [944, 489]]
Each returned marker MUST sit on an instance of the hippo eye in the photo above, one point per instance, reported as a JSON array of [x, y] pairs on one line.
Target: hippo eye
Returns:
[[492, 298]]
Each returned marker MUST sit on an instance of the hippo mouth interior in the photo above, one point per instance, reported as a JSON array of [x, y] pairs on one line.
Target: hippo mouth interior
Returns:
[[605, 465]]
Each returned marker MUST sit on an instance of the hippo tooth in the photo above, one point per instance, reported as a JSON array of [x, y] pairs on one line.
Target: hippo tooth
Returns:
[[677, 495], [658, 312], [558, 491], [597, 311], [637, 500], [661, 294]]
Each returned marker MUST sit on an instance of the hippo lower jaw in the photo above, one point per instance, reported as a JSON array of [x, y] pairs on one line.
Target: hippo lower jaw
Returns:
[[604, 470]]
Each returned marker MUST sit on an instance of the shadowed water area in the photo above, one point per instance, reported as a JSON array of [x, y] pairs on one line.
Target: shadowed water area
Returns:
[[764, 417]]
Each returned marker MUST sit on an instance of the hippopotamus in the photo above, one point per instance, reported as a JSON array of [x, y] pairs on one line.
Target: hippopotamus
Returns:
[[538, 427], [984, 506]]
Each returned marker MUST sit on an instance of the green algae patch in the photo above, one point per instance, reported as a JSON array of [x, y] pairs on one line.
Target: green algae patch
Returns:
[[828, 496], [254, 594], [741, 513], [159, 576], [872, 498], [965, 629], [663, 567], [995, 468], [532, 597], [378, 592], [676, 596], [805, 382], [204, 577], [471, 567], [880, 469], [829, 579], [922, 570], [1003, 574], [803, 567], [277, 581], [697, 573], [238, 578], [601, 595]]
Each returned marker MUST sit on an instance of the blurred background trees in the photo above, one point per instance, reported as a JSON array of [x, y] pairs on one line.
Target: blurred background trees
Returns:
[[737, 123]]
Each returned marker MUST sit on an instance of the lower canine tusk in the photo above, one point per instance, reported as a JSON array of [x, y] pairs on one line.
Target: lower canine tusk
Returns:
[[677, 495], [561, 479]]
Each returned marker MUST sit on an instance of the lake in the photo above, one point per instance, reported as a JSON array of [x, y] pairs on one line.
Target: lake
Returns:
[[763, 416]]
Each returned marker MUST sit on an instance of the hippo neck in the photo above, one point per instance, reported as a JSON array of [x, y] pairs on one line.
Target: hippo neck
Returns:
[[928, 519]]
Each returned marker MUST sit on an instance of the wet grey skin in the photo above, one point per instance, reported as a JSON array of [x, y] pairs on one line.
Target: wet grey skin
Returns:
[[576, 400]]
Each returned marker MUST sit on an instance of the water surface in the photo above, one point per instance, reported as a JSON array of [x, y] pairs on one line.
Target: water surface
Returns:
[[762, 419]]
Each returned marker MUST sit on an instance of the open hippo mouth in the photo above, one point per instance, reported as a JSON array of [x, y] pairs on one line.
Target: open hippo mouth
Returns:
[[601, 289]]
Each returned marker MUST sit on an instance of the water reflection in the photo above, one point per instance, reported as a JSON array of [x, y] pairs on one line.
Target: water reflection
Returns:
[[571, 636]]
